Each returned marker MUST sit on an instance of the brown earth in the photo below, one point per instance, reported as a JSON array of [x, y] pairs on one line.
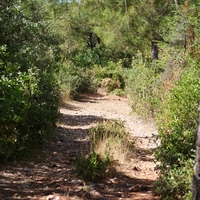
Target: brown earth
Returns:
[[48, 173]]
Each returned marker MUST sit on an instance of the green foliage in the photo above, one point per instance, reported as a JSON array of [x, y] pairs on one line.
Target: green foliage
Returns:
[[111, 70], [27, 110], [93, 167], [141, 84], [176, 183], [110, 77], [29, 92], [177, 123], [118, 92], [88, 59], [108, 129], [110, 138], [75, 80]]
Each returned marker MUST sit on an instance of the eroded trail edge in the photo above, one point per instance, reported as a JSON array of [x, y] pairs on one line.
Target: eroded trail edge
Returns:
[[48, 173]]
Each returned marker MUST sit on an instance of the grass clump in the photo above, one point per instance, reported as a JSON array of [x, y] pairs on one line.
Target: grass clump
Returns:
[[93, 167], [110, 138], [110, 145]]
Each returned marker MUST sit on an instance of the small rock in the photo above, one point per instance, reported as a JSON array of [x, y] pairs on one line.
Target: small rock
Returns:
[[50, 197], [77, 182], [53, 165], [45, 188], [95, 193], [136, 168], [135, 188], [143, 187], [19, 173], [114, 180], [128, 185], [26, 169]]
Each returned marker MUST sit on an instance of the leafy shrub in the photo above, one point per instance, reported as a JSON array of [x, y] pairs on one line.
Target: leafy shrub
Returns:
[[108, 129], [87, 59], [112, 72], [119, 92], [29, 92], [177, 121], [109, 141], [93, 167], [141, 85], [176, 182], [28, 108], [74, 80]]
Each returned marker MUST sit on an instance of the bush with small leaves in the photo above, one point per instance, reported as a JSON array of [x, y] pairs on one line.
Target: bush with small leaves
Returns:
[[92, 167]]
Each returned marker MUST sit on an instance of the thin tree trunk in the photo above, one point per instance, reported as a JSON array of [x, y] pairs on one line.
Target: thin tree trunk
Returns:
[[154, 51], [196, 178], [176, 3]]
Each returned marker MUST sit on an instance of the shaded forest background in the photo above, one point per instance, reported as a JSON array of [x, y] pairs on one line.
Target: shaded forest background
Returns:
[[147, 50]]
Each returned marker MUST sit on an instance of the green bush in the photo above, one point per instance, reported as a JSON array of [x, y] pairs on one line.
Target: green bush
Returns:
[[108, 142], [142, 86], [177, 124], [175, 183], [87, 59], [29, 92], [28, 108], [75, 80], [93, 167], [111, 70], [108, 129]]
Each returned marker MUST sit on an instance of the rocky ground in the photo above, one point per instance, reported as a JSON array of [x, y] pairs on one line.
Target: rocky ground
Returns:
[[48, 173]]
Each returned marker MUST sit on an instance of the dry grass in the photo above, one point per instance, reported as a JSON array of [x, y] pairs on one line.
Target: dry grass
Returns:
[[109, 138]]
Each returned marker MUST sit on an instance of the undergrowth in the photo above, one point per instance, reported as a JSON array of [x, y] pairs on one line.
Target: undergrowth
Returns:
[[110, 143]]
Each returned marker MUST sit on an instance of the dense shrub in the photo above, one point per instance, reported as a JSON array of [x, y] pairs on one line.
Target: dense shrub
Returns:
[[176, 183], [142, 86], [75, 80], [93, 167], [110, 70], [28, 109], [110, 78], [177, 123]]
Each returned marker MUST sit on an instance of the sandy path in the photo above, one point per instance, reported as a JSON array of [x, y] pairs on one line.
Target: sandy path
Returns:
[[48, 173], [113, 107]]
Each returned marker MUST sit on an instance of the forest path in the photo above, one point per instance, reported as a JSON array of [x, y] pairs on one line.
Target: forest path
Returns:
[[48, 173]]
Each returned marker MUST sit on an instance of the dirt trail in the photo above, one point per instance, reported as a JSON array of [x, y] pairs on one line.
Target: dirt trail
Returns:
[[48, 173]]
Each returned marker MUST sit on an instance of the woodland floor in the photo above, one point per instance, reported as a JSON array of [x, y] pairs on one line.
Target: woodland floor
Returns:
[[48, 173]]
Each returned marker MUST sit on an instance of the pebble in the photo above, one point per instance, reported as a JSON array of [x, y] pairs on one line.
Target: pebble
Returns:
[[50, 197], [77, 182], [135, 188]]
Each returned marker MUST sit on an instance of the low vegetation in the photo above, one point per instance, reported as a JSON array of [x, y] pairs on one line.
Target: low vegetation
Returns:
[[53, 50], [110, 145]]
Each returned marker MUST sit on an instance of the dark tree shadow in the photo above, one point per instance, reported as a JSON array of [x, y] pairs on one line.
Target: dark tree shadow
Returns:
[[81, 120], [49, 169]]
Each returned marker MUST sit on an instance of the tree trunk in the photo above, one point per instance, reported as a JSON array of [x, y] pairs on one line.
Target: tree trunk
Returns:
[[154, 51], [196, 178]]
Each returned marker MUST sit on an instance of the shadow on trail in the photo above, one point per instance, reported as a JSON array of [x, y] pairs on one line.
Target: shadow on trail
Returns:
[[80, 120], [49, 170]]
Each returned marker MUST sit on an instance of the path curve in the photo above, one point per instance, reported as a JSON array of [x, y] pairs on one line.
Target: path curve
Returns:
[[143, 131], [48, 173]]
